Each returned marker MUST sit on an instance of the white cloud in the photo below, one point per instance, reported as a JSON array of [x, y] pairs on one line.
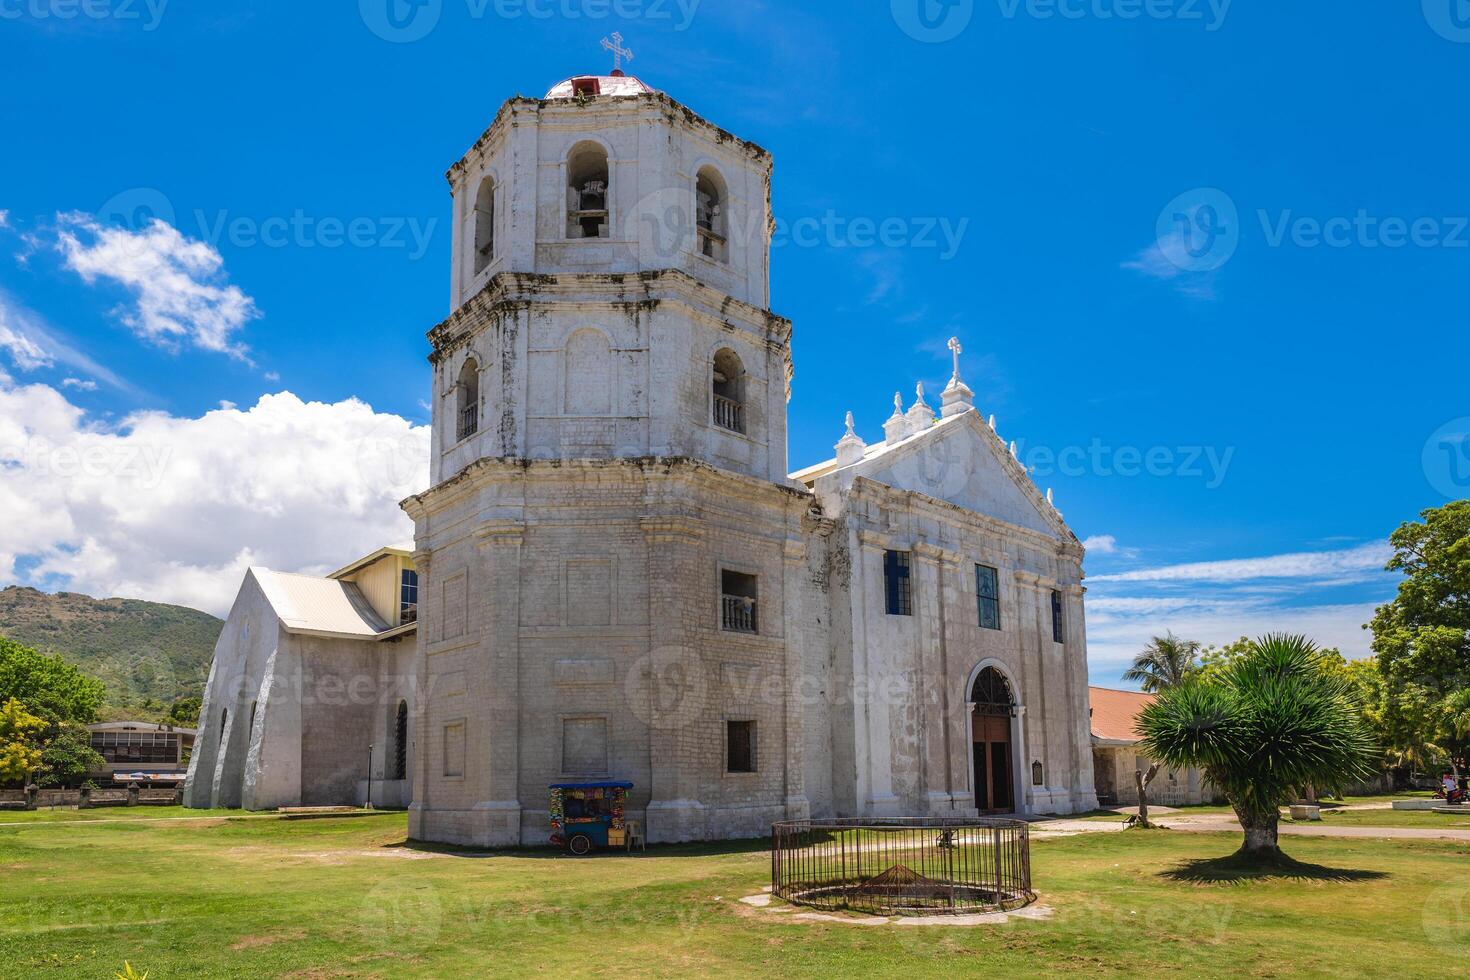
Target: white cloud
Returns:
[[78, 384], [32, 344], [4, 219], [24, 352], [1101, 544], [1338, 566], [174, 509], [1220, 601], [1154, 262], [179, 287], [1118, 629]]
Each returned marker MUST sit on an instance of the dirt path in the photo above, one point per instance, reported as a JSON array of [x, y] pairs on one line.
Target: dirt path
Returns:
[[1218, 823]]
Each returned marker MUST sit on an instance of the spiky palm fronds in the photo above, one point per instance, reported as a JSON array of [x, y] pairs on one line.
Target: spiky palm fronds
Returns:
[[1166, 662], [1272, 721]]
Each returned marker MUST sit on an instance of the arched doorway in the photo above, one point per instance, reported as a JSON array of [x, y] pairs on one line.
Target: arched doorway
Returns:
[[993, 708]]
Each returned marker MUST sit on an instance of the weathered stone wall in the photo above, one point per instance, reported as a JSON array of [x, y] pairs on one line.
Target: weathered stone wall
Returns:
[[656, 149], [587, 599], [1116, 766]]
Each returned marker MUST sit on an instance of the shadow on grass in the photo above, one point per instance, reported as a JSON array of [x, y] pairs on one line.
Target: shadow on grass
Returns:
[[1238, 869], [700, 849]]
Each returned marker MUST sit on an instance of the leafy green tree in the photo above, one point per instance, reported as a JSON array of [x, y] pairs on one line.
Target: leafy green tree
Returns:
[[20, 753], [68, 757], [48, 686], [1422, 637], [184, 713], [1166, 662], [1276, 719]]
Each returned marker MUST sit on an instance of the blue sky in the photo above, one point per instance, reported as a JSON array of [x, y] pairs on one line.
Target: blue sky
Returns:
[[1208, 262]]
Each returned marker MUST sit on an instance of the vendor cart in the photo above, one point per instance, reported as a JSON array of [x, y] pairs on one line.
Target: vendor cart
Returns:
[[588, 815]]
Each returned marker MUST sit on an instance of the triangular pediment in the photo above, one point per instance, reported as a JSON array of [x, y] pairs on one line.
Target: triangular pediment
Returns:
[[962, 461]]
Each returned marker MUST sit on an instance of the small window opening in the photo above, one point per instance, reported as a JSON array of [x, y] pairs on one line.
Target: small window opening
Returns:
[[738, 596], [587, 194], [898, 583], [740, 746]]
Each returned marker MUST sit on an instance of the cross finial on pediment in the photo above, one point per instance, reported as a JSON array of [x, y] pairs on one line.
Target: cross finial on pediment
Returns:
[[956, 350], [615, 45]]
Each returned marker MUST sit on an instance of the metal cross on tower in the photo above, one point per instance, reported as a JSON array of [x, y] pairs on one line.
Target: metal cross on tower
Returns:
[[615, 45]]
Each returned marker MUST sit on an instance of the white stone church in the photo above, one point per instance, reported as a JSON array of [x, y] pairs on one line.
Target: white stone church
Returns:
[[615, 574]]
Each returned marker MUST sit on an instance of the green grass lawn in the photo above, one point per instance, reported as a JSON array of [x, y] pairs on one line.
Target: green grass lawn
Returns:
[[345, 897]]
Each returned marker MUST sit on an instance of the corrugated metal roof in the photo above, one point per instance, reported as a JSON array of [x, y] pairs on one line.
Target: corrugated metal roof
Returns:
[[1115, 713], [307, 604]]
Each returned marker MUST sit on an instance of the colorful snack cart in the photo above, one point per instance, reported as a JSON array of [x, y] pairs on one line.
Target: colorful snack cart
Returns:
[[588, 815]]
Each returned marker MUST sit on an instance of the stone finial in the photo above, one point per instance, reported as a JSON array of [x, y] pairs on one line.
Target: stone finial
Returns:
[[1014, 455], [850, 447], [920, 416], [957, 397], [1049, 497], [896, 428], [992, 422]]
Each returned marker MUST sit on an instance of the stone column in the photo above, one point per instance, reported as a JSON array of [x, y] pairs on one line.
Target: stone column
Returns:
[[677, 684], [1084, 788], [1047, 682], [422, 697], [798, 807], [934, 601], [873, 725], [494, 683]]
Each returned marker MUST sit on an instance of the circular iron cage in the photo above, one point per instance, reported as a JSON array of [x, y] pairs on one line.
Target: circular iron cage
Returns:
[[903, 866]]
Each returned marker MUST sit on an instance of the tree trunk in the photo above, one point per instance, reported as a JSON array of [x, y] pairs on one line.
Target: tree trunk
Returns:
[[1261, 841], [1143, 780], [1310, 794]]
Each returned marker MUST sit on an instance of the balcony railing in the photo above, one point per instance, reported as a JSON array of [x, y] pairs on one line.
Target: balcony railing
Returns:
[[711, 244], [729, 414], [469, 422], [737, 614]]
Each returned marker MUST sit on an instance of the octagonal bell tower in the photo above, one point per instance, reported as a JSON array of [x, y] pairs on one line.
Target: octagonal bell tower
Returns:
[[610, 287]]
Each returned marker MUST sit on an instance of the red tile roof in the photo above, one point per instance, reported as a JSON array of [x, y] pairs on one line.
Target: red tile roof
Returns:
[[1114, 713]]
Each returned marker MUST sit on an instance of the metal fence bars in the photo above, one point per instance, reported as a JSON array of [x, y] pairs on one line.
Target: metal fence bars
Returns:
[[903, 866]]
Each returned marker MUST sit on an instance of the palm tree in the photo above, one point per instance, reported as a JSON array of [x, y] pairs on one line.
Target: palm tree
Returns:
[[1273, 720], [1164, 663]]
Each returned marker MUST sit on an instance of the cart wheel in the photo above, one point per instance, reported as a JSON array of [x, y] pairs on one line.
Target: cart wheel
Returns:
[[580, 844]]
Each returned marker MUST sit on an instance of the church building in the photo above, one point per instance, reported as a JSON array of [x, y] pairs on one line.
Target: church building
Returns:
[[620, 578]]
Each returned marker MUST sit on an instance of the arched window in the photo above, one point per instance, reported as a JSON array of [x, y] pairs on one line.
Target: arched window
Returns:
[[991, 694], [589, 374], [587, 191], [710, 208], [400, 742], [729, 391], [485, 225], [468, 404]]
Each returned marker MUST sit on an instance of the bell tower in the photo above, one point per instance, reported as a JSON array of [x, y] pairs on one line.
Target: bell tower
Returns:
[[609, 288]]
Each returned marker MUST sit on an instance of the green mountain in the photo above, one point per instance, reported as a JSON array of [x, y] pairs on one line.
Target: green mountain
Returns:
[[147, 653]]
